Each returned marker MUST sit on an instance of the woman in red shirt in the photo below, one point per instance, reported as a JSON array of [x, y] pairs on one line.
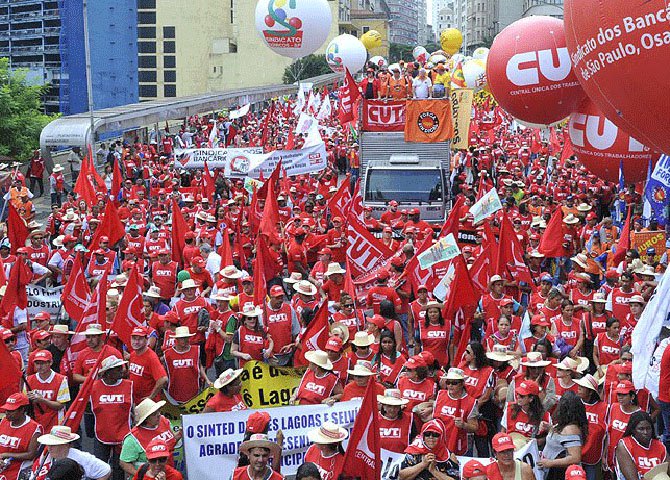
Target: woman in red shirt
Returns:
[[395, 424], [415, 384], [361, 374], [639, 450], [526, 416], [596, 414], [319, 384], [388, 361], [228, 398], [435, 334], [607, 346], [250, 341], [327, 452]]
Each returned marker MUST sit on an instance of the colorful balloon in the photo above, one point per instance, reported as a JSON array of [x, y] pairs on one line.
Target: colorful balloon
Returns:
[[346, 51], [480, 53], [379, 61], [451, 40], [474, 72], [600, 145], [293, 28], [420, 54], [530, 73], [371, 39], [617, 48]]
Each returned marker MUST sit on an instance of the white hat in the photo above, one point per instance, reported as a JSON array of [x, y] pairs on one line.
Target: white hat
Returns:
[[93, 329], [362, 369], [363, 339], [153, 292], [568, 364], [392, 396], [580, 259], [62, 329], [260, 440], [454, 374], [221, 295], [188, 283], [146, 408], [333, 268], [59, 435], [250, 311], [230, 271], [500, 354], [495, 278], [599, 298], [182, 332], [570, 219], [58, 241], [58, 168], [433, 304], [341, 327], [111, 362], [294, 278], [535, 254], [659, 472], [305, 287], [226, 377], [584, 207], [534, 359], [328, 432], [646, 270], [70, 216], [121, 280], [320, 358], [637, 299]]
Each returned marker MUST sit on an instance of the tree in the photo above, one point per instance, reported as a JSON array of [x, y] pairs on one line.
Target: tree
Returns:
[[399, 51], [307, 67], [21, 116]]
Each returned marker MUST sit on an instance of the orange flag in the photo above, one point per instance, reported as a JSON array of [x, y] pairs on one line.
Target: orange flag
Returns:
[[428, 121]]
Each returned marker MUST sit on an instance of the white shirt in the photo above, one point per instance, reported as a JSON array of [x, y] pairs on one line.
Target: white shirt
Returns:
[[93, 467], [213, 264], [421, 87]]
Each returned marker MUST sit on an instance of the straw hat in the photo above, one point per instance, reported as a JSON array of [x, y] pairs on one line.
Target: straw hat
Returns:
[[146, 408], [294, 278], [188, 283], [338, 326], [659, 472], [588, 381], [110, 363], [567, 364], [93, 329], [392, 396], [637, 299], [499, 354], [519, 440], [58, 241], [363, 339], [60, 329], [220, 295], [153, 292], [58, 168], [432, 304], [534, 359], [121, 280], [646, 270], [328, 432], [231, 272], [260, 440], [320, 358], [306, 288], [599, 298], [69, 216], [454, 374], [362, 369], [226, 377], [182, 332], [250, 311], [333, 268], [59, 435], [570, 219], [584, 207]]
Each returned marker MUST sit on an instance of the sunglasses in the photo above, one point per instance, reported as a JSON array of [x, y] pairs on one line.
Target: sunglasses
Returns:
[[159, 460], [431, 435], [348, 305], [452, 382]]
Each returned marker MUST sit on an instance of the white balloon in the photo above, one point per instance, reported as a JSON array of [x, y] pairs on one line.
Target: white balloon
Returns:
[[457, 57], [379, 61], [481, 53], [475, 74], [420, 53], [437, 58], [346, 51], [295, 29]]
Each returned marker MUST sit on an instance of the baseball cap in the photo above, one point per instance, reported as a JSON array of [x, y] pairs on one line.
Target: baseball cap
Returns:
[[334, 344], [258, 422], [43, 356], [139, 332], [575, 472], [383, 274], [527, 387], [276, 291], [415, 362], [502, 442], [198, 261], [157, 449], [624, 387], [473, 468], [15, 401]]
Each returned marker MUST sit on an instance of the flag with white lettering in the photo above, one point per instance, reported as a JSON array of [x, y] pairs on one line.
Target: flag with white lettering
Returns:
[[348, 96], [363, 456], [364, 250]]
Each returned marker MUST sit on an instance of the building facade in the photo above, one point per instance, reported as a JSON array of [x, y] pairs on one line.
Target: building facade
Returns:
[[373, 16], [404, 21], [552, 8]]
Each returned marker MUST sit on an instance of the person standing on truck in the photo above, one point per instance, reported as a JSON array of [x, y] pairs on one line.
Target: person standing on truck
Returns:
[[397, 87], [369, 86], [422, 87]]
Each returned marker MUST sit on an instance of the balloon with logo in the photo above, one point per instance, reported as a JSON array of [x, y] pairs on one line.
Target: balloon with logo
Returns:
[[293, 28], [420, 54], [600, 145], [480, 53], [346, 51], [540, 126], [530, 72], [379, 61], [616, 47], [474, 72], [451, 40], [371, 39]]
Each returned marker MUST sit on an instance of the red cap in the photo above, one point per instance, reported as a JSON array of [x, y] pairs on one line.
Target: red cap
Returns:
[[157, 449], [624, 387], [422, 287], [473, 468], [258, 422], [623, 368], [388, 230], [171, 317], [99, 251], [276, 291], [334, 344], [189, 235], [15, 401], [575, 472], [506, 301], [397, 262], [502, 442], [611, 273], [198, 261], [40, 334], [393, 203], [139, 332], [383, 274], [527, 387], [540, 320], [325, 251], [104, 239], [337, 219], [415, 362], [23, 250], [377, 320], [43, 356], [42, 316], [428, 357]]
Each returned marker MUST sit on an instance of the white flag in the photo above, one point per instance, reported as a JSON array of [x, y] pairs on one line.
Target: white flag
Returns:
[[326, 110], [643, 339], [305, 122], [300, 104], [313, 137], [486, 206], [240, 112]]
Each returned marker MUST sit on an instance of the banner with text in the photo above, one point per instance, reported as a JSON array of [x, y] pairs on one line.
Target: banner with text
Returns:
[[44, 299], [212, 440], [486, 206], [265, 386], [383, 116], [641, 241], [309, 159], [194, 158], [461, 111]]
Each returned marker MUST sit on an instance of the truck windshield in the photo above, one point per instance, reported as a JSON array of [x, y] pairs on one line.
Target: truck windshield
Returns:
[[403, 186]]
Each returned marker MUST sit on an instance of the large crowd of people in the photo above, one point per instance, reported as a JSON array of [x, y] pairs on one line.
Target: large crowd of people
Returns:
[[547, 361]]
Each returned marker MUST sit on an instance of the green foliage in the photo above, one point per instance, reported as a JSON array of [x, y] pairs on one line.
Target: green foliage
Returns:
[[399, 51], [21, 115], [307, 67]]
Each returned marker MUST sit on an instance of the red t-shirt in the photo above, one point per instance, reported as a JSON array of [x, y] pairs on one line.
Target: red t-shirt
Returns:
[[222, 403], [377, 294], [144, 370]]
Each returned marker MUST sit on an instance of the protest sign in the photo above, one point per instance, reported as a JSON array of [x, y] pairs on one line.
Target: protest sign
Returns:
[[44, 299], [461, 111], [212, 440], [486, 206], [444, 249], [383, 116], [309, 159], [641, 241], [265, 386], [193, 158]]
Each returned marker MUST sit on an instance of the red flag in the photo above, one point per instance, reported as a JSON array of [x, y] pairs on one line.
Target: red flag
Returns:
[[290, 141], [554, 143], [97, 181], [622, 245], [337, 204], [261, 265], [270, 218], [110, 227], [266, 124], [364, 251], [117, 181], [225, 250], [551, 243], [15, 295], [129, 313], [363, 457], [208, 183], [348, 95], [75, 413], [568, 150], [11, 375], [272, 181], [315, 335], [461, 303], [510, 254], [483, 266], [76, 294], [83, 186], [3, 275], [349, 286], [179, 229], [17, 230], [536, 144]]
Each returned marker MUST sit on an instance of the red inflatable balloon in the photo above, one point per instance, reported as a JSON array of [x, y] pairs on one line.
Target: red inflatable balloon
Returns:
[[530, 73], [621, 52], [600, 145]]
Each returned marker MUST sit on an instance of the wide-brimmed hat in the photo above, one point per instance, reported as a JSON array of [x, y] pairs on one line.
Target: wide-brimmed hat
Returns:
[[226, 377], [584, 207], [59, 435], [305, 287], [295, 277], [659, 472], [250, 311], [70, 216], [320, 358], [153, 292], [188, 283], [260, 440], [58, 168], [599, 298], [454, 374], [534, 359], [335, 326], [432, 304], [220, 295], [588, 381], [183, 332], [62, 329], [581, 260], [646, 270], [145, 408], [94, 329], [567, 364], [230, 271], [500, 354], [392, 396], [362, 369], [363, 339], [637, 299], [121, 280], [333, 268], [110, 363], [570, 219], [328, 432]]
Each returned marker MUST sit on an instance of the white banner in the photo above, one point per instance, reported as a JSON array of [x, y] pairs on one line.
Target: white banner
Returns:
[[194, 158], [43, 299], [309, 159], [211, 440], [240, 112], [486, 206], [444, 249]]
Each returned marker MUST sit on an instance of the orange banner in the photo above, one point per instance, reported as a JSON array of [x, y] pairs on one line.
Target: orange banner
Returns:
[[428, 121], [641, 241]]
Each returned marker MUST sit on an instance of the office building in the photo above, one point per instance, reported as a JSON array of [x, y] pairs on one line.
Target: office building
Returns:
[[404, 21], [552, 8], [373, 15]]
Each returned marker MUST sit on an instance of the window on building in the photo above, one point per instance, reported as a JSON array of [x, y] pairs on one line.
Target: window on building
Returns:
[[146, 18], [146, 47], [147, 61], [146, 4], [366, 29], [146, 32], [170, 90], [169, 47], [170, 76], [148, 91], [169, 61], [168, 32], [147, 76]]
